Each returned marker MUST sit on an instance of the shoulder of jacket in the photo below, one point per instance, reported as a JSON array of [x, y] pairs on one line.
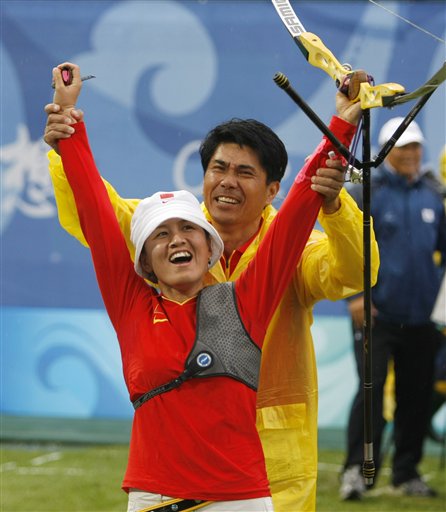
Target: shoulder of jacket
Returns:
[[433, 183]]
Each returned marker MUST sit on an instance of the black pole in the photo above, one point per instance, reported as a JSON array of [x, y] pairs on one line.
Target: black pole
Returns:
[[368, 468], [283, 82]]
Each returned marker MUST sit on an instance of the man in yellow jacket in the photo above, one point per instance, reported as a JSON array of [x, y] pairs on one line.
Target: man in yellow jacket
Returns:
[[331, 268]]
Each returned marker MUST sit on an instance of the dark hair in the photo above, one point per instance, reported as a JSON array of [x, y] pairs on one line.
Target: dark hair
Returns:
[[254, 134]]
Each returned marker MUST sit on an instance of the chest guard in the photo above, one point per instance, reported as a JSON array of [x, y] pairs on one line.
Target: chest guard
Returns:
[[222, 347], [221, 333]]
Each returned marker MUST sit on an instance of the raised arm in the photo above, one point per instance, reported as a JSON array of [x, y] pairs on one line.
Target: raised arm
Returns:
[[319, 183], [332, 262], [114, 268]]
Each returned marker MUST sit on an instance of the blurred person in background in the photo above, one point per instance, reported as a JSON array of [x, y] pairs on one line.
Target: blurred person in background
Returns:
[[439, 317], [410, 226]]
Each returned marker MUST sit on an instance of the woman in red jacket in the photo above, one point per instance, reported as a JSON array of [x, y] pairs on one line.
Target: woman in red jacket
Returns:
[[190, 353]]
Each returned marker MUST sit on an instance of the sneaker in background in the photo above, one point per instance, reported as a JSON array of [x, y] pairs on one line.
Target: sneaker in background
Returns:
[[352, 484], [416, 487]]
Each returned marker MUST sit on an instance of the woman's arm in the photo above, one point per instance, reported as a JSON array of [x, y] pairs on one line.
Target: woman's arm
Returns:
[[261, 287], [113, 266]]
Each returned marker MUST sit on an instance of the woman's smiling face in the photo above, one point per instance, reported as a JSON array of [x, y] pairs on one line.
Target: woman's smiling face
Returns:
[[178, 253]]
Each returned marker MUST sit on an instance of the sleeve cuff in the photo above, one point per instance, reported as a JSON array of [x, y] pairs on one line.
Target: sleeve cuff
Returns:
[[342, 128]]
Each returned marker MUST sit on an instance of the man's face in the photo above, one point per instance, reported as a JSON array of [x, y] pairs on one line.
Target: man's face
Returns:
[[406, 160], [234, 189]]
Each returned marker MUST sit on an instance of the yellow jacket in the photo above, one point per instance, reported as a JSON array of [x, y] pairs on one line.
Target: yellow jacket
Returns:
[[331, 268]]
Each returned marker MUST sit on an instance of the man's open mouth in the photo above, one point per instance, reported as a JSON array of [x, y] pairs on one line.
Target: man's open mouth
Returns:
[[227, 200]]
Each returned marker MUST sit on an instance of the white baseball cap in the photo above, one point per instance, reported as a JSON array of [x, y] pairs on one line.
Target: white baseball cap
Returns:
[[161, 206], [411, 134]]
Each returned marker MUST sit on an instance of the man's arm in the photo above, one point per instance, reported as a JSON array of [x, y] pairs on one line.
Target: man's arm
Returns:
[[333, 262], [59, 127], [58, 124]]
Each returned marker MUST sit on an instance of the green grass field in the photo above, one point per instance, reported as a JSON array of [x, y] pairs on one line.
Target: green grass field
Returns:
[[68, 478]]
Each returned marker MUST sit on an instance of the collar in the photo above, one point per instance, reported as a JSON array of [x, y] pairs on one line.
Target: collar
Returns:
[[231, 263]]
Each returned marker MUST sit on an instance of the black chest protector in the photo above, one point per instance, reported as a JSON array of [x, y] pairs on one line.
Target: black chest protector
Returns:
[[222, 346]]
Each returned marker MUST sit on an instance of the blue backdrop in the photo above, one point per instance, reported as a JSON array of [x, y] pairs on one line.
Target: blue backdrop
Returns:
[[166, 72]]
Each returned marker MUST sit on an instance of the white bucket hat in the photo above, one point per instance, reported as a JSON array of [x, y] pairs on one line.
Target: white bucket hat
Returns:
[[411, 134], [162, 206]]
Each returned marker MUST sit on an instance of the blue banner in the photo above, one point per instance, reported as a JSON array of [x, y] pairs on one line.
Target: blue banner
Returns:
[[166, 72]]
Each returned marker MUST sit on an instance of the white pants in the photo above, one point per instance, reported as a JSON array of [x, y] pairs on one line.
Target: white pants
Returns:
[[139, 500]]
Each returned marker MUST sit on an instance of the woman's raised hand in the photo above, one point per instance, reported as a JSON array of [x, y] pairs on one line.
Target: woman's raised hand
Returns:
[[66, 91]]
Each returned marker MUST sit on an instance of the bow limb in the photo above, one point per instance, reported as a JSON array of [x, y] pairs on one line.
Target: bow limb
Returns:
[[313, 49], [318, 55]]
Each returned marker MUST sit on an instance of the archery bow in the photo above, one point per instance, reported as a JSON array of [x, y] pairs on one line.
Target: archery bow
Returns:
[[318, 55], [357, 88]]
